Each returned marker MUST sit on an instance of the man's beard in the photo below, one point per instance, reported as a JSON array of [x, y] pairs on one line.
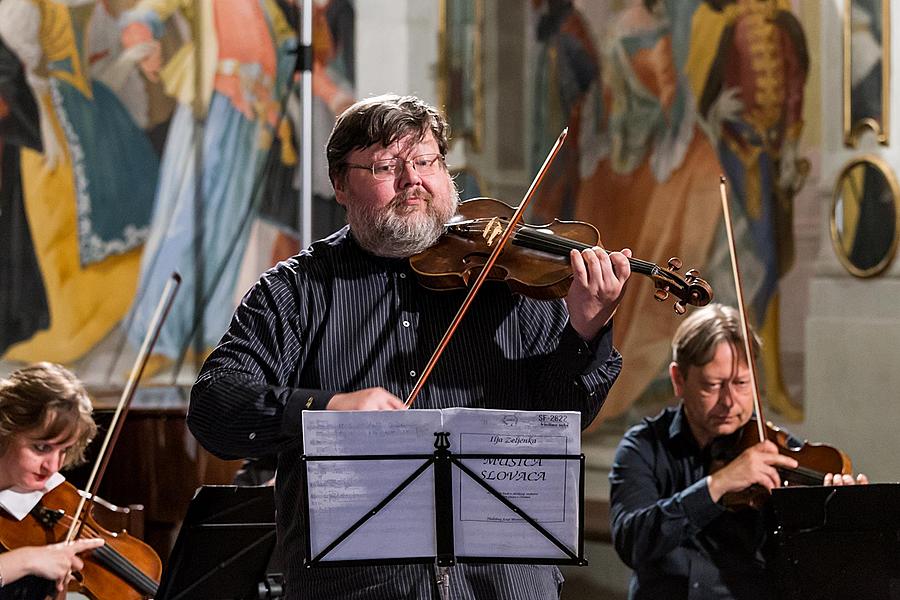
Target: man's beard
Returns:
[[398, 230]]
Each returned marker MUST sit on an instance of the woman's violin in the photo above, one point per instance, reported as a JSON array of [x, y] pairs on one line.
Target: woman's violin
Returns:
[[536, 262], [125, 568]]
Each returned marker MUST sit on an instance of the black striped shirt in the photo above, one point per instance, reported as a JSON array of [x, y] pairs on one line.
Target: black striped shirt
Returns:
[[336, 319]]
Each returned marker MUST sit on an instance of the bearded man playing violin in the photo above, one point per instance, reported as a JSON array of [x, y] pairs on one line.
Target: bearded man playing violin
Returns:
[[345, 326], [45, 424], [669, 523]]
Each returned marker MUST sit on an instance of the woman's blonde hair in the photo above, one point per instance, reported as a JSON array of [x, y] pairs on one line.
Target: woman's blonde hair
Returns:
[[46, 401]]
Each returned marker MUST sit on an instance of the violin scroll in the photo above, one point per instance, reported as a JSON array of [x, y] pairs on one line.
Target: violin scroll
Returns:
[[690, 289]]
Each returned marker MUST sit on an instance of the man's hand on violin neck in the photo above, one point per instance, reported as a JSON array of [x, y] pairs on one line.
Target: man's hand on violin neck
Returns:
[[839, 479], [598, 283], [756, 465], [376, 398]]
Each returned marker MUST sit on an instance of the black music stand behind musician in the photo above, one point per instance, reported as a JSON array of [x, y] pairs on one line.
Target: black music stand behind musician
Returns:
[[223, 546], [834, 542]]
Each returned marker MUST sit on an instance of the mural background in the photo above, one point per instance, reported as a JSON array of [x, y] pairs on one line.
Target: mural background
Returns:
[[142, 138], [103, 129]]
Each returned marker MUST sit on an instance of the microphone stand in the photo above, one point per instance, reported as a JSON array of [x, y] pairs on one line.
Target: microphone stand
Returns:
[[304, 66]]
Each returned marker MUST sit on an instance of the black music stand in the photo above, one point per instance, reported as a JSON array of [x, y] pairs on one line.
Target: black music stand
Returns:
[[442, 462], [223, 546], [834, 542]]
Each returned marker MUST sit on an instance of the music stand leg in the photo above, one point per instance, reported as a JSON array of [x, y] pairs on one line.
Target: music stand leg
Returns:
[[443, 581]]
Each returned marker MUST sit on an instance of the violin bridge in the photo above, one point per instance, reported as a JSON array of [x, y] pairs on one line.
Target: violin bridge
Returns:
[[492, 230]]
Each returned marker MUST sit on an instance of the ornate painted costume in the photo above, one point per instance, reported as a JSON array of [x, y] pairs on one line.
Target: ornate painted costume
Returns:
[[652, 191], [242, 58], [89, 212]]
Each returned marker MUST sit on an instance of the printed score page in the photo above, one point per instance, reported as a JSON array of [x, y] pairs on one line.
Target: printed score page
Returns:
[[342, 492], [546, 490]]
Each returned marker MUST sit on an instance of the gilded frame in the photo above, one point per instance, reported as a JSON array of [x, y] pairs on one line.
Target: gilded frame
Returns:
[[464, 109], [853, 130], [836, 242]]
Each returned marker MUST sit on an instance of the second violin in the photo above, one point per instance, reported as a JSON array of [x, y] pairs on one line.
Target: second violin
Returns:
[[125, 568]]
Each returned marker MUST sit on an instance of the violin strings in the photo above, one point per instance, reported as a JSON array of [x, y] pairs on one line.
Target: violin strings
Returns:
[[117, 563], [549, 242], [812, 476]]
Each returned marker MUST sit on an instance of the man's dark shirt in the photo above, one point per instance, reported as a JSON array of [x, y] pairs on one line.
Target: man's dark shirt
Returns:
[[338, 319], [665, 525]]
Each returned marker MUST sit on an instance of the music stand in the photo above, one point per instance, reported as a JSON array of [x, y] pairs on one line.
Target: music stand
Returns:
[[834, 542], [444, 555], [224, 545]]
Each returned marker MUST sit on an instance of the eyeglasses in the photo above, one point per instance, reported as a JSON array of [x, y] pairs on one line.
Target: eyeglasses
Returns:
[[390, 168]]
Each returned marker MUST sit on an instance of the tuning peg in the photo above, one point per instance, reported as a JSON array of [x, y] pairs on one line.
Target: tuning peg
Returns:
[[693, 273], [661, 295], [679, 307], [675, 263]]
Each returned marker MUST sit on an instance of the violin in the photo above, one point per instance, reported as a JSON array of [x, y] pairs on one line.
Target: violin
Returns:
[[461, 254], [536, 262], [125, 568], [814, 461]]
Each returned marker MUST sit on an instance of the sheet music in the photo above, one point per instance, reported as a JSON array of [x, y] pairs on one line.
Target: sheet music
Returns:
[[545, 489], [341, 492]]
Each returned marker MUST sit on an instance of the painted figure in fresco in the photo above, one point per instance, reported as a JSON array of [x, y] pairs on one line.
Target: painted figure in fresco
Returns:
[[215, 144], [89, 195], [749, 66], [865, 62], [332, 85], [23, 300], [653, 187], [567, 66]]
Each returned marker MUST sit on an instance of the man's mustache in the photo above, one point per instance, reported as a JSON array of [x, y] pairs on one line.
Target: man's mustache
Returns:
[[401, 198]]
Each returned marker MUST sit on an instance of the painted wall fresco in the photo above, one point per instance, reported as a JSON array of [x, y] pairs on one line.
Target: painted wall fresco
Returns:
[[141, 137], [109, 182], [664, 96]]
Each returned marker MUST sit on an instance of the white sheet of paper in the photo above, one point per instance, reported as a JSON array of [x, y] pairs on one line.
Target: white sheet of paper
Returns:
[[545, 489], [342, 492]]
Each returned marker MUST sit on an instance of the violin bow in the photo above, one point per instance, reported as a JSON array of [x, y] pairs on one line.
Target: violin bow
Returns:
[[742, 312], [118, 420], [486, 269]]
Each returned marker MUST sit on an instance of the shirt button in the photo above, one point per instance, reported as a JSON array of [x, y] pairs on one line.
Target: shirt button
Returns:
[[252, 436], [695, 585], [402, 275], [406, 323], [412, 373]]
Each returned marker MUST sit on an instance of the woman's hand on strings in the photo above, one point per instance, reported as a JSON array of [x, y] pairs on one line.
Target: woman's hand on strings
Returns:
[[55, 562]]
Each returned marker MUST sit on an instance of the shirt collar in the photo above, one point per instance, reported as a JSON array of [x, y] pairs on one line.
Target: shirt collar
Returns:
[[680, 429], [19, 504], [380, 263]]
